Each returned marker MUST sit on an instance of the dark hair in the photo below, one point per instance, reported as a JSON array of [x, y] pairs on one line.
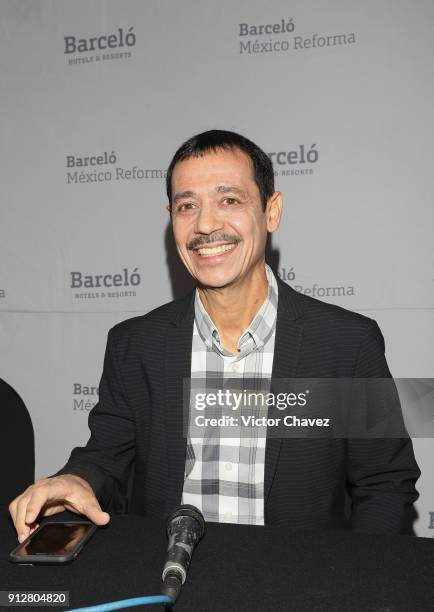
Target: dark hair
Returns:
[[220, 139]]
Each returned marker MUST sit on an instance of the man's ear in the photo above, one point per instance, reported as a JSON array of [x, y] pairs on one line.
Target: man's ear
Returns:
[[274, 211]]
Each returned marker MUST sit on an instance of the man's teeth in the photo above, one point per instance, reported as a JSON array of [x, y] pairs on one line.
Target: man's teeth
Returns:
[[215, 250]]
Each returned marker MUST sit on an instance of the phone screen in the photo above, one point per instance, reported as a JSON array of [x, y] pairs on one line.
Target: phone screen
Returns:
[[55, 539]]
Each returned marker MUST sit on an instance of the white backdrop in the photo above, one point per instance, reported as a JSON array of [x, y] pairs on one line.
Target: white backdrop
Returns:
[[96, 97]]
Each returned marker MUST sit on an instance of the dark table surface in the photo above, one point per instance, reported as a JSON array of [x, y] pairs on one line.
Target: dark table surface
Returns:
[[239, 568]]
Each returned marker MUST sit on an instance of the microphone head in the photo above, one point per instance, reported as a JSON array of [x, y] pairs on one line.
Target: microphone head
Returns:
[[187, 510]]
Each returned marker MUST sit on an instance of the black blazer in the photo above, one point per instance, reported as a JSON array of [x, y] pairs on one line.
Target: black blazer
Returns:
[[135, 457]]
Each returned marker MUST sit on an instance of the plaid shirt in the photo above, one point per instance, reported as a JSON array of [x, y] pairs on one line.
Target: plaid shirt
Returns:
[[224, 477]]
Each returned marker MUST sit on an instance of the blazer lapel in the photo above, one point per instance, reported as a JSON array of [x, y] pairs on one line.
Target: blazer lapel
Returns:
[[178, 368], [286, 355]]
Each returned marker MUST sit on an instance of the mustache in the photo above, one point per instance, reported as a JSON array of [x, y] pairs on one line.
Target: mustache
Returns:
[[204, 240]]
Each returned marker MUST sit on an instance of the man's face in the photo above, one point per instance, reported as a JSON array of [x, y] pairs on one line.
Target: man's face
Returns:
[[218, 222]]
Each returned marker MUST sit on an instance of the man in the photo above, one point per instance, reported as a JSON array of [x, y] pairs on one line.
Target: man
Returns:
[[241, 319]]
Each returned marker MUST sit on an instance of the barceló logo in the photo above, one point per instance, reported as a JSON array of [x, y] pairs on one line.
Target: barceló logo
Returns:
[[122, 38], [124, 279], [301, 155]]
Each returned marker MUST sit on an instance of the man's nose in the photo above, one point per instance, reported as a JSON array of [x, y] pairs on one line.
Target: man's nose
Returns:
[[208, 220]]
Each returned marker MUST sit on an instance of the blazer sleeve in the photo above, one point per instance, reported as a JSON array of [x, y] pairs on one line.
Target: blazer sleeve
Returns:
[[105, 462], [381, 472]]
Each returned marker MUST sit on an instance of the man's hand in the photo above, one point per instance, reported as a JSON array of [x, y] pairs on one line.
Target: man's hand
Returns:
[[51, 495]]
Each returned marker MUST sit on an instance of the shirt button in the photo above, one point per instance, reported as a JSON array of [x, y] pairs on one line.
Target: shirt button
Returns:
[[228, 467], [235, 367]]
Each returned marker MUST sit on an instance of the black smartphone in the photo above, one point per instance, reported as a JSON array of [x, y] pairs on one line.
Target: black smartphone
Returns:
[[54, 542]]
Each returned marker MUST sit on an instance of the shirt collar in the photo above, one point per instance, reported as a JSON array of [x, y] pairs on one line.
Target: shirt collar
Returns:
[[259, 330]]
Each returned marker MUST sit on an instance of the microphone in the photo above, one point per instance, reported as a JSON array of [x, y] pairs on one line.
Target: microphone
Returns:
[[185, 527]]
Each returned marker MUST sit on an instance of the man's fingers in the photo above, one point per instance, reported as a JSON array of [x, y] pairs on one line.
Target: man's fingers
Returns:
[[26, 508], [20, 519], [29, 507], [14, 505], [94, 513], [53, 509], [33, 528], [44, 499], [36, 502], [49, 496]]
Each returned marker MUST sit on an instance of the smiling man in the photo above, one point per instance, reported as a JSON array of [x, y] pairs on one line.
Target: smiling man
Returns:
[[220, 222], [241, 321]]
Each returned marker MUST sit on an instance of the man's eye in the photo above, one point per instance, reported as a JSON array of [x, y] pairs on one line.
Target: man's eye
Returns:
[[231, 201], [184, 207]]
